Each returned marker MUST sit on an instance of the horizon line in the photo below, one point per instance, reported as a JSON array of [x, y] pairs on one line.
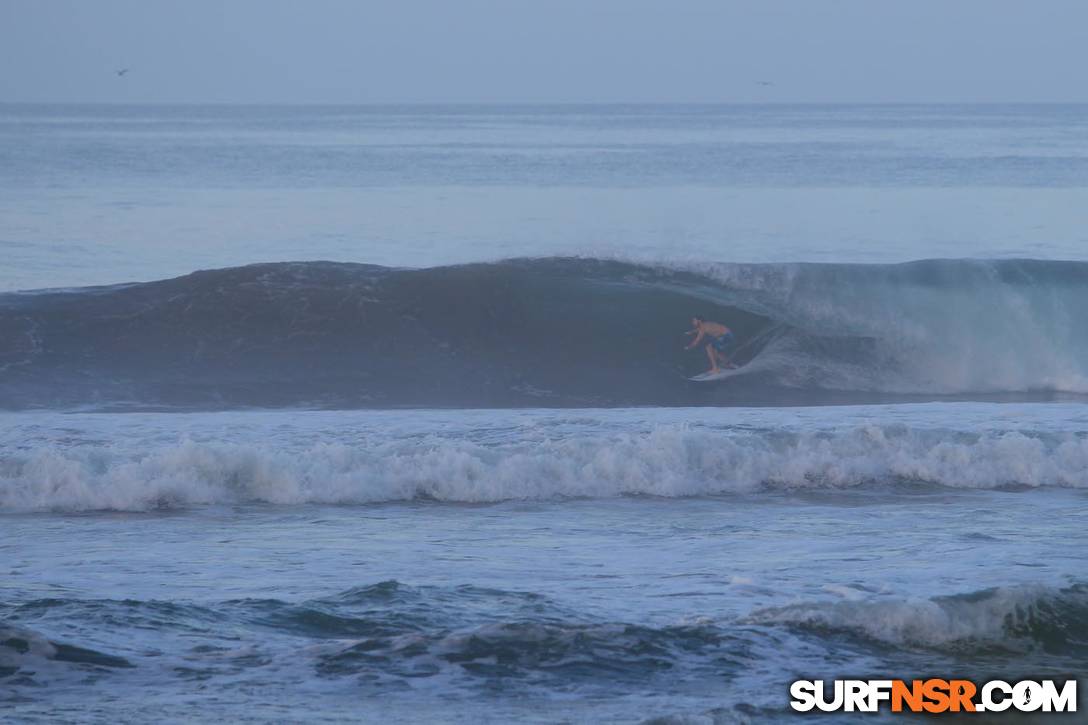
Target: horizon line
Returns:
[[539, 103]]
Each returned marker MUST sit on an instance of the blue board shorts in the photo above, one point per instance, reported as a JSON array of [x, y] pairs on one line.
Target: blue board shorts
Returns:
[[721, 343]]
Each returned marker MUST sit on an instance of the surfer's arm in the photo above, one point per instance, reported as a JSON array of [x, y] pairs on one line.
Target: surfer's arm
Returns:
[[696, 340]]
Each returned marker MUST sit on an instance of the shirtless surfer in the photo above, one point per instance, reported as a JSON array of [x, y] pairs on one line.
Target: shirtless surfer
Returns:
[[720, 338]]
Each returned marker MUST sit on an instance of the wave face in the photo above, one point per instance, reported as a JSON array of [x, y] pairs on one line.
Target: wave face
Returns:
[[550, 332]]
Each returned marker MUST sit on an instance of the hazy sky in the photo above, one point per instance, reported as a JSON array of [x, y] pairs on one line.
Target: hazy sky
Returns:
[[373, 51]]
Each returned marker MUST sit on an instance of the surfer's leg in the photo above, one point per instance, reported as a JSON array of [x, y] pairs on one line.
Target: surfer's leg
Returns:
[[721, 345], [713, 355]]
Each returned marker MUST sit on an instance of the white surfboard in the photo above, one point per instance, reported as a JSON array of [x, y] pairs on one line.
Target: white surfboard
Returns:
[[721, 374]]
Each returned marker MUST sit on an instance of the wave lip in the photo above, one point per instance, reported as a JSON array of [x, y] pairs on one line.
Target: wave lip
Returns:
[[556, 332], [668, 461]]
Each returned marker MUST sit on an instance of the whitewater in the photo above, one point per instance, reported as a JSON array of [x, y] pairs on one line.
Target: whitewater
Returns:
[[382, 413], [156, 462]]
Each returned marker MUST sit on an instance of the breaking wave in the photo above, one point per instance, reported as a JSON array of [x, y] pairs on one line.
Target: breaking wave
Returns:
[[549, 332], [1012, 619], [391, 632], [25, 649], [668, 461]]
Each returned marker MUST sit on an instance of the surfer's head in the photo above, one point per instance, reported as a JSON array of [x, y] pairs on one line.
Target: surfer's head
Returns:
[[696, 321]]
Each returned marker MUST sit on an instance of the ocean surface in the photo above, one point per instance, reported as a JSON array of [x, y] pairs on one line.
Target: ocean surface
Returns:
[[382, 413]]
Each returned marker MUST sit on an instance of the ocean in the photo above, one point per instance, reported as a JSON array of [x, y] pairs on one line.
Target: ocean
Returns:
[[317, 414]]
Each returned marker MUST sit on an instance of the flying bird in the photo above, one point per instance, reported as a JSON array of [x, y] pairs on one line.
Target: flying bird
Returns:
[[764, 83], [122, 71]]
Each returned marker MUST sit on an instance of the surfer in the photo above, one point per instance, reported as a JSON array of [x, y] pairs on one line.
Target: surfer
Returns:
[[720, 338]]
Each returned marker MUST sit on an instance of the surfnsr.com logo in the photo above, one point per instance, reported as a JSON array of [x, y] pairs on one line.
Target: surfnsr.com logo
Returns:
[[934, 696]]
